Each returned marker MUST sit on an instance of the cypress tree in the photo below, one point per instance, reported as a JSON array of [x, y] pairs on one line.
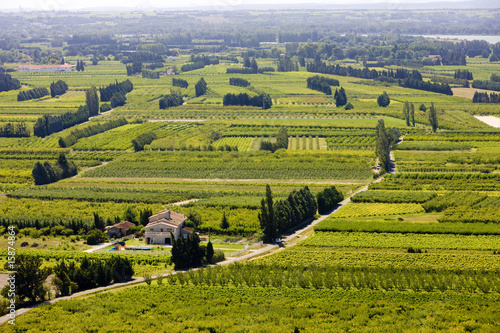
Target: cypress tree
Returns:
[[433, 118], [382, 148], [92, 101], [412, 114]]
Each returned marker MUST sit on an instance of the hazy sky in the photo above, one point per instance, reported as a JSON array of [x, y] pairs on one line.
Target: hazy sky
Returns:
[[143, 4]]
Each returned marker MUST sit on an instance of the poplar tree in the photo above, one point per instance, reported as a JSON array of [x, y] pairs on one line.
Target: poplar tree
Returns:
[[266, 217], [382, 148], [433, 118], [406, 113], [412, 114], [92, 101]]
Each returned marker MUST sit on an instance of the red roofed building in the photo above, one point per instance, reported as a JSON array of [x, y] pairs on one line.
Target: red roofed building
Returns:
[[120, 229], [161, 226], [44, 68]]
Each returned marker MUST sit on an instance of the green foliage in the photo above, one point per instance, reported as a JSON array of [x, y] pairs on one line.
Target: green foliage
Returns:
[[321, 83], [46, 173], [388, 226], [433, 118], [92, 101], [236, 81], [440, 203], [267, 217], [32, 94], [95, 237], [179, 83], [384, 100], [144, 139], [149, 74], [393, 196], [8, 83], [328, 198], [171, 100], [29, 279], [58, 88], [200, 87], [382, 148], [187, 252], [224, 223], [90, 130], [340, 97]]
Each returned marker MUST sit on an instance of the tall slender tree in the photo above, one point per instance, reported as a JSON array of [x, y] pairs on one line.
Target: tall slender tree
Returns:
[[433, 118], [412, 114], [267, 218], [92, 100], [406, 113], [382, 148]]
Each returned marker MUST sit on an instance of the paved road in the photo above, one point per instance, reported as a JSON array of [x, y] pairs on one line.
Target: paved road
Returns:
[[98, 247]]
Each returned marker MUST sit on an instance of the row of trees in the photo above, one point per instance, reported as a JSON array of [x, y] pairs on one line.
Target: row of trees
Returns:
[[8, 83], [192, 66], [187, 252], [85, 132], [328, 199], [340, 97], [58, 88], [484, 98], [384, 140], [47, 124], [281, 141], [200, 87], [286, 214], [463, 74], [18, 130], [133, 69], [263, 100], [80, 65], [32, 94], [484, 84], [409, 113], [150, 74], [46, 173], [115, 88], [443, 88], [171, 100], [433, 119], [179, 83], [90, 273], [92, 101], [236, 81], [321, 83], [364, 73]]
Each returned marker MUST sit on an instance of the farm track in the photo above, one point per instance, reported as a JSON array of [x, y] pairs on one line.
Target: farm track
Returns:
[[266, 250]]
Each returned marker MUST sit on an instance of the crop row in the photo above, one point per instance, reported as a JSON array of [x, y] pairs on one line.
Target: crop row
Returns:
[[393, 196], [238, 165], [377, 209], [335, 277], [384, 226]]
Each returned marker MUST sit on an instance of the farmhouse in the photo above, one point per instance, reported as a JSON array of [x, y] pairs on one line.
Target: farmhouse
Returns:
[[44, 68], [119, 230], [161, 225]]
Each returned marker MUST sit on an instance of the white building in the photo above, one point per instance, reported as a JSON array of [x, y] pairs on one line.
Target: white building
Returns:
[[161, 226], [44, 68]]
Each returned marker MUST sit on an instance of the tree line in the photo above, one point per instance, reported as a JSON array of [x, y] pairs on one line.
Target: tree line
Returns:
[[443, 88], [409, 113], [237, 81], [115, 88], [8, 83], [321, 83], [262, 100], [484, 84], [170, 100], [364, 73], [286, 214], [179, 83], [484, 98], [328, 199], [18, 130], [200, 87], [90, 273], [48, 124], [32, 94], [188, 252], [463, 74], [46, 173], [58, 88], [78, 133], [80, 65]]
